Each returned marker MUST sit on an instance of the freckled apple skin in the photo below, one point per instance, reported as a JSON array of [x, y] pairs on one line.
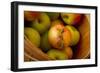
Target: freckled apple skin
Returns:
[[42, 23], [71, 18], [74, 33], [57, 54], [32, 35], [59, 36]]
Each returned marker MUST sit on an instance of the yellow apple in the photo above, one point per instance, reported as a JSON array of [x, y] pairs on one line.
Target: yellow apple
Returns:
[[57, 54], [74, 33], [32, 35], [69, 52], [56, 22]]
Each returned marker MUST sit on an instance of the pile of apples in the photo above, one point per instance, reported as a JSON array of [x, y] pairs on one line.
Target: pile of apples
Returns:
[[54, 33]]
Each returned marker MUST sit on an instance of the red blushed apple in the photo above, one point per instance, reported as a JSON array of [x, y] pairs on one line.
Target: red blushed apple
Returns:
[[30, 16], [59, 37], [71, 18]]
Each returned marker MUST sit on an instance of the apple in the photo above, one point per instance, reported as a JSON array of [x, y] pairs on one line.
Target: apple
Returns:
[[74, 33], [71, 18], [32, 35], [57, 54], [45, 45], [53, 15], [42, 23], [59, 37], [69, 52], [30, 16], [56, 22]]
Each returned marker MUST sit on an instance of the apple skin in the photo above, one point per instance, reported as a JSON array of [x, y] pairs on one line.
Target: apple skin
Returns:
[[56, 22], [45, 45], [71, 18], [42, 23], [32, 35], [74, 33], [30, 16], [55, 54], [59, 36], [69, 52], [53, 15]]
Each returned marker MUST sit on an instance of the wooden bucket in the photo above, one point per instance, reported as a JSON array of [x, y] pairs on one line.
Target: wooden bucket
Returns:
[[82, 50]]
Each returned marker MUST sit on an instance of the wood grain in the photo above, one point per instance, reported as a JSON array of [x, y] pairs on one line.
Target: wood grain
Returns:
[[33, 51], [27, 57], [83, 47]]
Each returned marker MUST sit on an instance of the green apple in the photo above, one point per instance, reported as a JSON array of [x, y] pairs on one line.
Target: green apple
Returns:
[[57, 54], [59, 37], [74, 34], [71, 18], [53, 15], [45, 45], [42, 23], [32, 35]]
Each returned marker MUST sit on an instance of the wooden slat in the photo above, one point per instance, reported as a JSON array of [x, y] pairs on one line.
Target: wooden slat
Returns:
[[33, 51], [83, 47], [27, 57]]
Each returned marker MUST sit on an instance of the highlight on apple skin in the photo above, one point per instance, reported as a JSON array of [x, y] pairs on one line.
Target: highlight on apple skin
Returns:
[[42, 23], [59, 37], [45, 45], [71, 18], [74, 34], [32, 35], [55, 54]]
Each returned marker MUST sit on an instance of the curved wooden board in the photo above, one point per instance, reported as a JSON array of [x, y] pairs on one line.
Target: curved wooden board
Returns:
[[83, 47]]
